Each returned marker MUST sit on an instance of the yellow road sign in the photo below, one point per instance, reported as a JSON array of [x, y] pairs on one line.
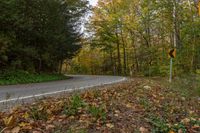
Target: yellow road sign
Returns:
[[199, 7], [172, 53]]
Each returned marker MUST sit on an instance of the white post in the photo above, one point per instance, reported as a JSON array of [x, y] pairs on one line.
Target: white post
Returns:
[[171, 66]]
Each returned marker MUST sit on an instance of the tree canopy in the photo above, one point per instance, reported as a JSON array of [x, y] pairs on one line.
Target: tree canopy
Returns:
[[38, 35], [134, 36]]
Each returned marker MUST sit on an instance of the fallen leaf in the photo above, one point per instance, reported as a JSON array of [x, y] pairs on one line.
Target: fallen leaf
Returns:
[[26, 115], [129, 105], [15, 130], [143, 130], [171, 131], [180, 131], [196, 127], [36, 132], [116, 115], [25, 125], [109, 125], [185, 121], [49, 127], [9, 121], [147, 87]]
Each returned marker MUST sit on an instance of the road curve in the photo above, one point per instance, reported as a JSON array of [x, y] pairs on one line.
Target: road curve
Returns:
[[14, 93]]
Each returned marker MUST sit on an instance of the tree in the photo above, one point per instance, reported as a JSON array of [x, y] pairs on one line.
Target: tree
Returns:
[[139, 33], [37, 35]]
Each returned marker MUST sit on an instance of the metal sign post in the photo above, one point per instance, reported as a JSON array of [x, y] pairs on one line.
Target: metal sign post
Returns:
[[171, 66]]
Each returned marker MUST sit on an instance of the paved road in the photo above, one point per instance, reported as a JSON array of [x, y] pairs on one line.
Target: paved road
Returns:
[[14, 93]]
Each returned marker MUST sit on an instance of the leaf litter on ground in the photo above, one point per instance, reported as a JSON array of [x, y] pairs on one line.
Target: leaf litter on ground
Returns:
[[137, 105]]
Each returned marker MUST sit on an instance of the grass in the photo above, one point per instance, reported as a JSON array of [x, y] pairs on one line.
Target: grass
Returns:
[[38, 114], [97, 112], [159, 124], [76, 104], [73, 106], [23, 77], [187, 85]]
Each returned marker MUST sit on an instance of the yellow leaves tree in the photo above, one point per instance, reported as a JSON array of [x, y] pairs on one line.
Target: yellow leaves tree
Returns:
[[136, 34], [88, 61]]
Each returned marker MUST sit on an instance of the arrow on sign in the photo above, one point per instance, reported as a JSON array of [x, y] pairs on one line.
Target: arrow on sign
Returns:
[[172, 53]]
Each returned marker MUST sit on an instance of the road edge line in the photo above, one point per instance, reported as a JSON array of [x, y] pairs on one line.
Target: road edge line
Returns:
[[57, 92]]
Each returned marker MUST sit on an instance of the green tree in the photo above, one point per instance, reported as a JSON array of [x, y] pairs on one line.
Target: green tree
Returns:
[[37, 35]]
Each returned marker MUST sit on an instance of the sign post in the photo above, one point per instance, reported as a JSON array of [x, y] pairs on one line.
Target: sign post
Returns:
[[172, 55], [171, 66]]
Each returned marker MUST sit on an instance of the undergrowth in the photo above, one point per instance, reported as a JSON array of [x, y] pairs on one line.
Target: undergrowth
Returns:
[[22, 77]]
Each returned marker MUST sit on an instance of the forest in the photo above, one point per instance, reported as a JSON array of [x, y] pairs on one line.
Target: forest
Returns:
[[131, 37], [37, 35], [121, 37]]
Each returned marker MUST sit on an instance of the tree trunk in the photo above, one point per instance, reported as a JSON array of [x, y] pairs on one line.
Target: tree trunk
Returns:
[[118, 56], [60, 66], [124, 52], [194, 42], [40, 65], [134, 51], [177, 39], [111, 61]]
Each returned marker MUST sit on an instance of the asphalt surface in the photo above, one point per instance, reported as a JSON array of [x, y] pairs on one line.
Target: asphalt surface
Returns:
[[15, 93]]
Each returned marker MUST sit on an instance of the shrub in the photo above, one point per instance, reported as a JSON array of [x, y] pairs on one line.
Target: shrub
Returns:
[[21, 77]]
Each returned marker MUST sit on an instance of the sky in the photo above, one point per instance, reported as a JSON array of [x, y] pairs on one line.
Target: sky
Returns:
[[93, 2]]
